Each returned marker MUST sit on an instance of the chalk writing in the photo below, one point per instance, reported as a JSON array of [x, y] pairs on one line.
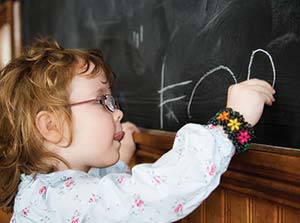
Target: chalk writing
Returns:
[[271, 60], [202, 78], [163, 102]]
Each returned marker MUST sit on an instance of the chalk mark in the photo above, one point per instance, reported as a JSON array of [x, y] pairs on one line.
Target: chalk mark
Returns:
[[271, 60], [171, 100], [163, 89], [174, 85], [161, 95], [221, 67], [171, 114], [202, 78]]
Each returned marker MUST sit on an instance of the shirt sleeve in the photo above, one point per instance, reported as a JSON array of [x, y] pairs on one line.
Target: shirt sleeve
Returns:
[[164, 191], [119, 167], [170, 188]]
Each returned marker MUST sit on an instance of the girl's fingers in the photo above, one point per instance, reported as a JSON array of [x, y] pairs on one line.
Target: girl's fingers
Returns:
[[260, 83], [261, 87], [263, 90], [128, 126]]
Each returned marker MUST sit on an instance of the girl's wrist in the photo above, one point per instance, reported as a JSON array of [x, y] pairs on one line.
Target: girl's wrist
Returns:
[[235, 127]]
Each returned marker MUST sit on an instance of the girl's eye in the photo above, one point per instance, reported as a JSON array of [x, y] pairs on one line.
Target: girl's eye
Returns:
[[99, 102]]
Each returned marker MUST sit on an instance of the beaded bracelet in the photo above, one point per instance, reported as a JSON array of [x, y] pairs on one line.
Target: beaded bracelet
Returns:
[[238, 130]]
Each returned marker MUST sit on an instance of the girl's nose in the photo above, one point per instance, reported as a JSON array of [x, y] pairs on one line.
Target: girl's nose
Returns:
[[117, 115]]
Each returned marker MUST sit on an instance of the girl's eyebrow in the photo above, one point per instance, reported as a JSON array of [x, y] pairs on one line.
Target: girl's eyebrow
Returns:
[[99, 91], [102, 91]]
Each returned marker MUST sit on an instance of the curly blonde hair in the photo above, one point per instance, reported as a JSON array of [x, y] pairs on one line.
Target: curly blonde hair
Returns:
[[37, 80]]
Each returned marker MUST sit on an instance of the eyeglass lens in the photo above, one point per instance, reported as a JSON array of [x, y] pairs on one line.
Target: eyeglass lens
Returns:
[[110, 103]]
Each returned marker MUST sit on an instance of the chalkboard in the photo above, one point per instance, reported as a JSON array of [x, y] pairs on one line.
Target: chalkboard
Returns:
[[175, 59]]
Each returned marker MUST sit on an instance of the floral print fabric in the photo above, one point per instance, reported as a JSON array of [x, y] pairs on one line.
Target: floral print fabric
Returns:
[[164, 191]]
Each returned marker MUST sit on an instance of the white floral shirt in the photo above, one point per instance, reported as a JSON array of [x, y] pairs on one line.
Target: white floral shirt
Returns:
[[164, 191]]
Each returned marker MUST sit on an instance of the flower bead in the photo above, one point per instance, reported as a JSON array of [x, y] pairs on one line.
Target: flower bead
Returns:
[[234, 124], [243, 137], [223, 116]]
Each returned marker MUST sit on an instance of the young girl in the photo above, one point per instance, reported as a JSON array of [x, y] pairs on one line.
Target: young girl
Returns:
[[59, 124]]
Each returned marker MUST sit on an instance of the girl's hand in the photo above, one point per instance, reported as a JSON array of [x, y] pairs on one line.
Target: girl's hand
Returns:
[[249, 98], [127, 144]]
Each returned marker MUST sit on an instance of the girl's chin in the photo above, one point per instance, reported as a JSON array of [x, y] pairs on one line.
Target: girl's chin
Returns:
[[112, 161]]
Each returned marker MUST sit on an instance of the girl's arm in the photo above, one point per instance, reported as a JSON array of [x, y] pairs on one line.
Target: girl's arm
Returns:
[[170, 188]]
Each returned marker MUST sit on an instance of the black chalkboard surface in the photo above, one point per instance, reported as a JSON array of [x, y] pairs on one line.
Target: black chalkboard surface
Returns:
[[175, 59]]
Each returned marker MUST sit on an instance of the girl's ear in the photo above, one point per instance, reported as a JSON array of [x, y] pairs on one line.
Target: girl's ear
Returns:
[[48, 125]]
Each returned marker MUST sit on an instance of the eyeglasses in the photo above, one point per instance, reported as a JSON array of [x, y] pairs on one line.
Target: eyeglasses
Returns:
[[107, 101]]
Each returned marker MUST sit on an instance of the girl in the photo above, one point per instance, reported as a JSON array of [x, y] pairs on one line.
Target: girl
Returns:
[[59, 123]]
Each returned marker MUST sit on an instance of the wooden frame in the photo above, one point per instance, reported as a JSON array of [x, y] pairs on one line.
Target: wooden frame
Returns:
[[10, 24], [10, 31]]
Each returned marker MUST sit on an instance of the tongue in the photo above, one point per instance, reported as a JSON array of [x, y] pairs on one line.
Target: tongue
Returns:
[[118, 136]]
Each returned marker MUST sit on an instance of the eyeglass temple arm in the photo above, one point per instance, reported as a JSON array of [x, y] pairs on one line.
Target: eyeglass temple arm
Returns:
[[84, 102]]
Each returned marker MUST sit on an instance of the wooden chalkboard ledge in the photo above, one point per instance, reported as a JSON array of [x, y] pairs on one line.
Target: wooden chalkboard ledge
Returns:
[[264, 172]]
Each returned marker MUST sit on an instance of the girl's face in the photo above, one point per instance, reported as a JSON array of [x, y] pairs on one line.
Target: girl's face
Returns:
[[96, 130]]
